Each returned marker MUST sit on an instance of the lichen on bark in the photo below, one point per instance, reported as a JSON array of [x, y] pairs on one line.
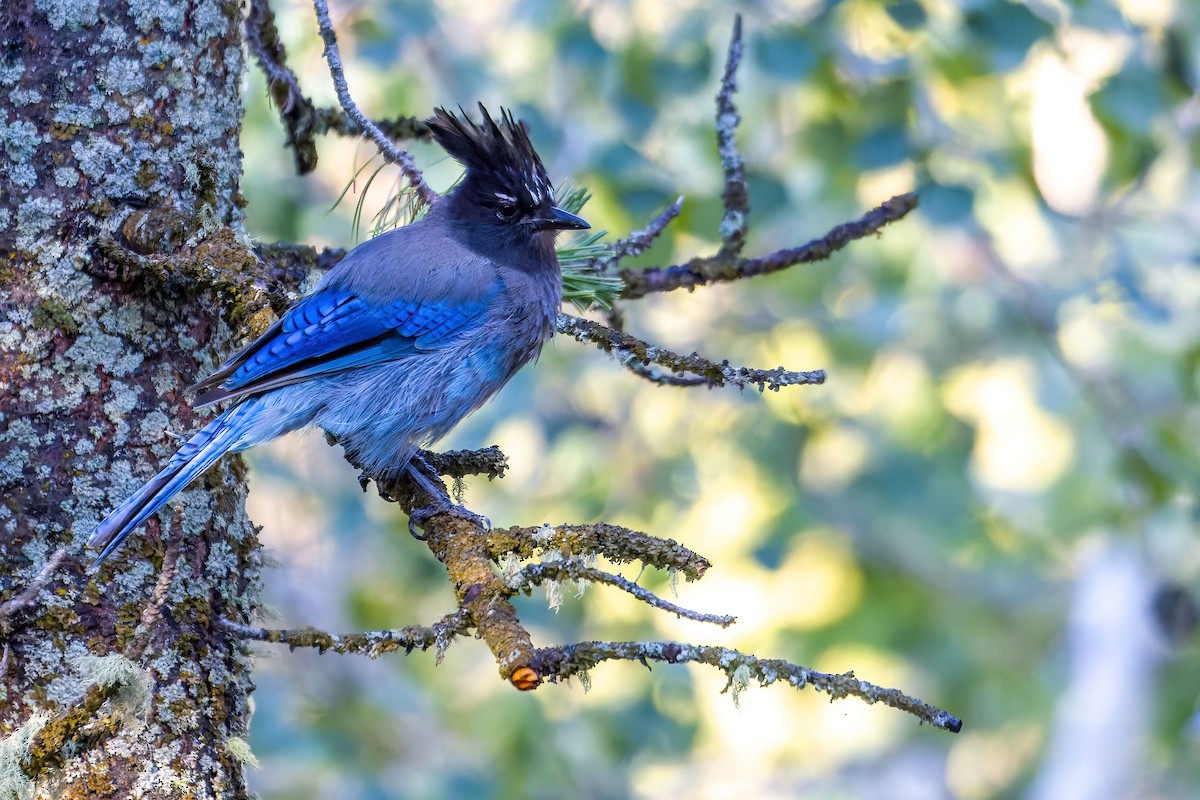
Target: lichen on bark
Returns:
[[135, 107]]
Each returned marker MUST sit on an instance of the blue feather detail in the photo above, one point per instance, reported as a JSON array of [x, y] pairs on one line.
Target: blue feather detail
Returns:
[[313, 310], [193, 459], [333, 331]]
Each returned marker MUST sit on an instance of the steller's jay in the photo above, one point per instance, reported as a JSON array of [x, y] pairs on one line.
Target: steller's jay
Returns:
[[409, 334]]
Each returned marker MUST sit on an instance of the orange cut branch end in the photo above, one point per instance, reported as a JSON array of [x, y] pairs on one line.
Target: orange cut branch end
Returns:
[[525, 678]]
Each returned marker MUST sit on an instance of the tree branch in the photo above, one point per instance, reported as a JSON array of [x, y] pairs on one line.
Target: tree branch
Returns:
[[302, 121], [618, 544], [638, 242], [626, 348], [28, 596], [712, 269], [735, 197], [575, 569], [468, 553], [416, 181], [296, 111], [489, 461], [556, 663], [369, 643]]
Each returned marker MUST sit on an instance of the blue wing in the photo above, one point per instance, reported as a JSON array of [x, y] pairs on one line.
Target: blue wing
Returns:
[[331, 331]]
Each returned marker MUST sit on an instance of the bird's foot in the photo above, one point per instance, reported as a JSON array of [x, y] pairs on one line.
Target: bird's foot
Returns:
[[428, 479], [419, 516]]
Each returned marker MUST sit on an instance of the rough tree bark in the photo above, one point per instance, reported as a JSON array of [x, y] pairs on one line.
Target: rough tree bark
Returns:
[[119, 127]]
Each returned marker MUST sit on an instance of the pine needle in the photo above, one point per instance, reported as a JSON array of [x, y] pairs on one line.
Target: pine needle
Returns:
[[583, 285]]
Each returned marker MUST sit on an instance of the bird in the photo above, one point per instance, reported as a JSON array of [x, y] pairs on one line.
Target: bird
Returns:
[[412, 331]]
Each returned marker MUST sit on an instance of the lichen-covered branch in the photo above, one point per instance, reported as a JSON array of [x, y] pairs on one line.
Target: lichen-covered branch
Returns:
[[483, 596], [727, 264], [558, 663], [626, 348], [28, 596], [736, 195], [368, 643], [416, 181], [401, 127], [712, 269], [489, 461], [575, 569], [295, 110], [461, 545], [301, 120], [638, 242], [288, 266], [468, 553], [614, 542], [216, 260], [653, 374]]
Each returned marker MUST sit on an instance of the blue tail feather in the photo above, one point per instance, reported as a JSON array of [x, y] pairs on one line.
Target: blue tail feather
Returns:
[[200, 452]]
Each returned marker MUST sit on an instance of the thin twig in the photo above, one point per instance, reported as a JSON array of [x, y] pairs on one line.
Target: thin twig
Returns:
[[401, 127], [302, 121], [263, 39], [736, 196], [638, 242], [575, 569], [627, 348], [295, 110], [390, 151], [616, 543], [489, 461], [369, 643], [555, 663], [152, 613], [655, 375], [711, 269], [29, 595]]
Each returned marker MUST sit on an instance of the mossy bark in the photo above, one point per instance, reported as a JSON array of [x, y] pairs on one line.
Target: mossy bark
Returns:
[[107, 110]]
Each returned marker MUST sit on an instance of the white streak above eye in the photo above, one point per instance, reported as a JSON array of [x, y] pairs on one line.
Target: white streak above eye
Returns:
[[505, 198]]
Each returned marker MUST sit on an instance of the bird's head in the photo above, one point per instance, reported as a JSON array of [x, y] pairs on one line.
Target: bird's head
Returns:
[[505, 193]]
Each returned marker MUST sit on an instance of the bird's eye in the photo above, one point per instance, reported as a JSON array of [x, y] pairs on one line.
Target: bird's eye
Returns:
[[506, 211]]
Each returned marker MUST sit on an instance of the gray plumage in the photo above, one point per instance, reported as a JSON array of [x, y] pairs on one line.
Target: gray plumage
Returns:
[[409, 334]]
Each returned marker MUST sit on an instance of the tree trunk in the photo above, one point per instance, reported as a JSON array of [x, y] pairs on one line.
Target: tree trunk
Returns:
[[119, 130]]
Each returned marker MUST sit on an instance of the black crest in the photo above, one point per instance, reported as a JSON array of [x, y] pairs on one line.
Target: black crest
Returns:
[[499, 154]]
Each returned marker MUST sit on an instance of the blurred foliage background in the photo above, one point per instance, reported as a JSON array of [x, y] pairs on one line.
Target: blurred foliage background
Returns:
[[991, 504]]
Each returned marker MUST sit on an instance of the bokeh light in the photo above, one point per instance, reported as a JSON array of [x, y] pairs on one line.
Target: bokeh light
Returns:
[[1012, 387]]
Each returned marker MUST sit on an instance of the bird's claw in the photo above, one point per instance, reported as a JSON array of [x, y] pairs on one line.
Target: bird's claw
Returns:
[[419, 516], [414, 522]]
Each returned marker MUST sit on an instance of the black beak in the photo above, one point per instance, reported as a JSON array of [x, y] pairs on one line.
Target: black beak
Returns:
[[559, 220]]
